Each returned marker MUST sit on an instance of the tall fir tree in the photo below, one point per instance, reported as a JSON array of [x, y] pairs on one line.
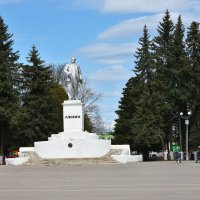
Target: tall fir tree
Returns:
[[164, 59], [180, 69], [144, 68], [37, 100], [163, 54], [131, 94], [8, 85], [146, 124], [179, 94], [193, 51], [125, 112]]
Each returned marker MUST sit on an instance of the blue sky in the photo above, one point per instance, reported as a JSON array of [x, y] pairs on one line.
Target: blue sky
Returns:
[[101, 34]]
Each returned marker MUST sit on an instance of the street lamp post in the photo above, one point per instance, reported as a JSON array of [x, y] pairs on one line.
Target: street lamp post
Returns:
[[186, 118]]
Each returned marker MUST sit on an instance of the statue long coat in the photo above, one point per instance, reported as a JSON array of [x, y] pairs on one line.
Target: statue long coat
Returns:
[[74, 77]]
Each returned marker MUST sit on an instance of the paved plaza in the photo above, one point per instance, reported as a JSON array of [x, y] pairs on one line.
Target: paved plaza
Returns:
[[164, 180]]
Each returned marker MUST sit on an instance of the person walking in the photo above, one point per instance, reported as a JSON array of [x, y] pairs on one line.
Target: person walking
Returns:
[[177, 156], [198, 154]]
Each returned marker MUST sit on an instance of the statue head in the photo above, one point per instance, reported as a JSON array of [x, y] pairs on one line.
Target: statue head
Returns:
[[73, 60]]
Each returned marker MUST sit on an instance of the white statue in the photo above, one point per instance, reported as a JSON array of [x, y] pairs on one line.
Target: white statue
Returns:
[[74, 78]]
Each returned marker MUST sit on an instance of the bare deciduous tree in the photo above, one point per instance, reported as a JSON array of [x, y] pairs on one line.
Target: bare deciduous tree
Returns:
[[90, 99]]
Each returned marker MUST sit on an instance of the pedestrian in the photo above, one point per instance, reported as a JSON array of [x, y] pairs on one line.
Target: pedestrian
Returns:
[[198, 154], [4, 160], [180, 156], [177, 157]]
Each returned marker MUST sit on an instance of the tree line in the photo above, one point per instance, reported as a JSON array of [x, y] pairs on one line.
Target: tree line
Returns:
[[166, 82], [31, 97]]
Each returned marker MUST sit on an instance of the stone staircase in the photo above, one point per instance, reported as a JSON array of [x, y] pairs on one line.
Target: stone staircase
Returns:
[[106, 159]]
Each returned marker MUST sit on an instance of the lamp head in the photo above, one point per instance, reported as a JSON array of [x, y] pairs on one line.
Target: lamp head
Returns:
[[181, 113], [189, 113]]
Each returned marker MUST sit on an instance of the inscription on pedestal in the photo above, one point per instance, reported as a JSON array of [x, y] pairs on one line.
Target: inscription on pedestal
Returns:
[[73, 115]]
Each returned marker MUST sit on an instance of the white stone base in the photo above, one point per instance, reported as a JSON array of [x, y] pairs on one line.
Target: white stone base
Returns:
[[16, 161], [90, 148], [72, 135], [125, 155], [124, 147], [72, 148], [127, 158], [26, 149]]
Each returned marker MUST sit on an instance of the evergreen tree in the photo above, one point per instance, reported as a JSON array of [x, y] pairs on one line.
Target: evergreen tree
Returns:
[[37, 100], [179, 93], [147, 123], [163, 42], [8, 85], [163, 54], [87, 124], [125, 112], [164, 59], [179, 71], [145, 65], [58, 95], [131, 94], [193, 50]]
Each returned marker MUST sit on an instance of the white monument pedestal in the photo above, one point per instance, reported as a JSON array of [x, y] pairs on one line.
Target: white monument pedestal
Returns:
[[73, 117], [73, 142]]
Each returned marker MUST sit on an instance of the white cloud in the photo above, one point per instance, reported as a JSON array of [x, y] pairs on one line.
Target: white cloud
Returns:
[[189, 17], [134, 27], [105, 53], [131, 27], [148, 5], [109, 125], [132, 6], [106, 50], [110, 61], [112, 73]]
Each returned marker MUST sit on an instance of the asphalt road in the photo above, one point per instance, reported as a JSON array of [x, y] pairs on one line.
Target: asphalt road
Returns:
[[136, 181]]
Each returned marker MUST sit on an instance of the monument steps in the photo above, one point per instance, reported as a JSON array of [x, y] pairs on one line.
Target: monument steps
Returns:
[[106, 159]]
